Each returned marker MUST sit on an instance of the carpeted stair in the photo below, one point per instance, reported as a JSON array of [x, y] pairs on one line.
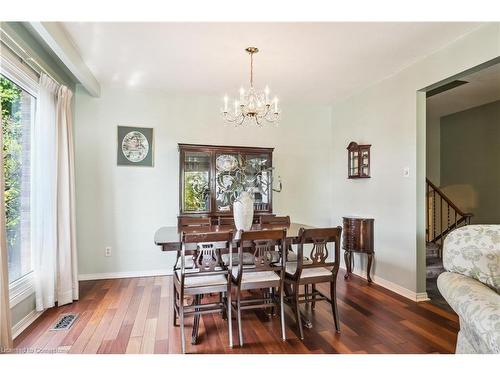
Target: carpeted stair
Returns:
[[434, 269]]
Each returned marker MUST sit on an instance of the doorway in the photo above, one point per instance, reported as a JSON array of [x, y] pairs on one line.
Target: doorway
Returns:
[[462, 158]]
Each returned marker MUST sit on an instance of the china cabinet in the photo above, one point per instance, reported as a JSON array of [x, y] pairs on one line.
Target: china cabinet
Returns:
[[211, 178], [358, 162]]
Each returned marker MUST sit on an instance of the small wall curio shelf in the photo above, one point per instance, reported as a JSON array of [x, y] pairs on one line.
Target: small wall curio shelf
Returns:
[[358, 163]]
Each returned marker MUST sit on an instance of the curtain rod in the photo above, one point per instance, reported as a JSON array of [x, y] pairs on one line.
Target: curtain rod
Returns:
[[28, 60]]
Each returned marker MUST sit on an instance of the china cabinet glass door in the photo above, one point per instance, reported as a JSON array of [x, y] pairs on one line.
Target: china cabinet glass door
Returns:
[[196, 182], [234, 171], [228, 174], [258, 176]]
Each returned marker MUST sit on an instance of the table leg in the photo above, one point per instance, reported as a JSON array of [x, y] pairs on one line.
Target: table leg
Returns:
[[306, 322], [370, 259], [348, 263]]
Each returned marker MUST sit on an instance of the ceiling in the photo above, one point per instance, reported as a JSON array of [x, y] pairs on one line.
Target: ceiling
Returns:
[[482, 87], [299, 61]]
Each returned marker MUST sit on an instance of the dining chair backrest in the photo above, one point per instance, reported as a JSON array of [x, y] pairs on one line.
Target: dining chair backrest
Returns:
[[320, 239], [262, 245], [194, 222], [206, 250], [225, 220], [269, 219]]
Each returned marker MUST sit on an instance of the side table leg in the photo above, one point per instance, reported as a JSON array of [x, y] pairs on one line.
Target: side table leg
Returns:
[[370, 259], [347, 260]]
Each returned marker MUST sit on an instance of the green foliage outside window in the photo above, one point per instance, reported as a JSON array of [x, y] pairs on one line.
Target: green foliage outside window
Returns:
[[196, 191], [12, 130]]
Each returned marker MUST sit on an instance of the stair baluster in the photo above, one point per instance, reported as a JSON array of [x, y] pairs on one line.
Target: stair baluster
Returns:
[[436, 233]]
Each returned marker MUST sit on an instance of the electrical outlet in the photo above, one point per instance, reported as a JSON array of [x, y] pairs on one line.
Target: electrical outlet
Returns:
[[406, 172], [107, 251]]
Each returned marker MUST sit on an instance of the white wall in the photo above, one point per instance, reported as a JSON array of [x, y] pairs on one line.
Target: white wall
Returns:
[[122, 207], [385, 115]]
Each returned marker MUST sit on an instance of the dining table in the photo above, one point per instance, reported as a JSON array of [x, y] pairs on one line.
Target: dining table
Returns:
[[169, 239]]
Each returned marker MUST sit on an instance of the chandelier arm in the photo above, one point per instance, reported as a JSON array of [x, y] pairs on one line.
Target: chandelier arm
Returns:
[[229, 118], [241, 120]]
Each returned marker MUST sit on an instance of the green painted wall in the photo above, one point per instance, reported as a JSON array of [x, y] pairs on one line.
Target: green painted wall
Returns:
[[470, 161]]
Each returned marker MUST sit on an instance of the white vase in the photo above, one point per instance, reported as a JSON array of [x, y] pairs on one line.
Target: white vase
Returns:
[[243, 211]]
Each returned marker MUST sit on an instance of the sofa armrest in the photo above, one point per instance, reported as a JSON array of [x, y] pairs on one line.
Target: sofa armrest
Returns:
[[477, 306]]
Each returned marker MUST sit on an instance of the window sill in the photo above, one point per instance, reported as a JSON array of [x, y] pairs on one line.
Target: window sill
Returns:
[[21, 289]]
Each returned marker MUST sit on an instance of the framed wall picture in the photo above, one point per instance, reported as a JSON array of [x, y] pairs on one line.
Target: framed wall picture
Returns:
[[135, 146]]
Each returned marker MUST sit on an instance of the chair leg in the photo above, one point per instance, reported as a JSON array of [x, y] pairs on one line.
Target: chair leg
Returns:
[[222, 298], [333, 297], [306, 292], [313, 303], [196, 321], [181, 319], [297, 310], [229, 318], [173, 306], [271, 298], [238, 311], [282, 312]]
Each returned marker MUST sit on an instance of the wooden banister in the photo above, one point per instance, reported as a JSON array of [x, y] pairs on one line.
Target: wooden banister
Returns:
[[448, 200], [442, 215]]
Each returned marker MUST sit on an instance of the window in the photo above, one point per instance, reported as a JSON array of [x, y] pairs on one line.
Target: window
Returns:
[[18, 117]]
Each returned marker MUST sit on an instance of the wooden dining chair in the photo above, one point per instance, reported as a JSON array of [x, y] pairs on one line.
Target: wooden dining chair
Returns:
[[185, 223], [207, 275], [319, 268], [270, 219], [278, 220], [264, 273]]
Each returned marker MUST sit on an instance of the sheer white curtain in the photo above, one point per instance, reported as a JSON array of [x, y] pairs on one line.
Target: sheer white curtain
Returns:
[[44, 231], [53, 231], [5, 321], [67, 272]]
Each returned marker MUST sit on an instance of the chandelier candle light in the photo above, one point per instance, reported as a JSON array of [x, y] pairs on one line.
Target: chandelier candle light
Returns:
[[252, 105]]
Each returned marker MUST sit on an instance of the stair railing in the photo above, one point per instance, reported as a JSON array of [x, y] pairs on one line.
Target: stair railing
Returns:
[[442, 215]]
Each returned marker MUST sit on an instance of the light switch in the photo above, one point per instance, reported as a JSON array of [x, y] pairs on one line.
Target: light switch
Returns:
[[406, 172]]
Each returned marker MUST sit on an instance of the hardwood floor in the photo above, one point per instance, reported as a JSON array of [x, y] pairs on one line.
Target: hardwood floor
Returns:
[[135, 316]]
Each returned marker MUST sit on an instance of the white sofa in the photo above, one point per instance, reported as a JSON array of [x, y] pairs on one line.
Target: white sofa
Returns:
[[471, 285]]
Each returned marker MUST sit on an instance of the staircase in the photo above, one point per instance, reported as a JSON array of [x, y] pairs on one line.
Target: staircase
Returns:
[[442, 217]]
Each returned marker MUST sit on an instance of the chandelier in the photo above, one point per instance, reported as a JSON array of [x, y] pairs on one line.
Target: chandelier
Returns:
[[252, 105]]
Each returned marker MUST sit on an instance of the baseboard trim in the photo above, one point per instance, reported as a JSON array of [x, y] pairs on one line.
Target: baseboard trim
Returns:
[[398, 289], [123, 275], [422, 297], [25, 322]]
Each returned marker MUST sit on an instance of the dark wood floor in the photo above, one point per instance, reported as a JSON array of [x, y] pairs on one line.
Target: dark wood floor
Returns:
[[135, 316]]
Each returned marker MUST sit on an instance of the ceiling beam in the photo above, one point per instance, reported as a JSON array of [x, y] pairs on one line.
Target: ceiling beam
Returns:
[[56, 38]]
